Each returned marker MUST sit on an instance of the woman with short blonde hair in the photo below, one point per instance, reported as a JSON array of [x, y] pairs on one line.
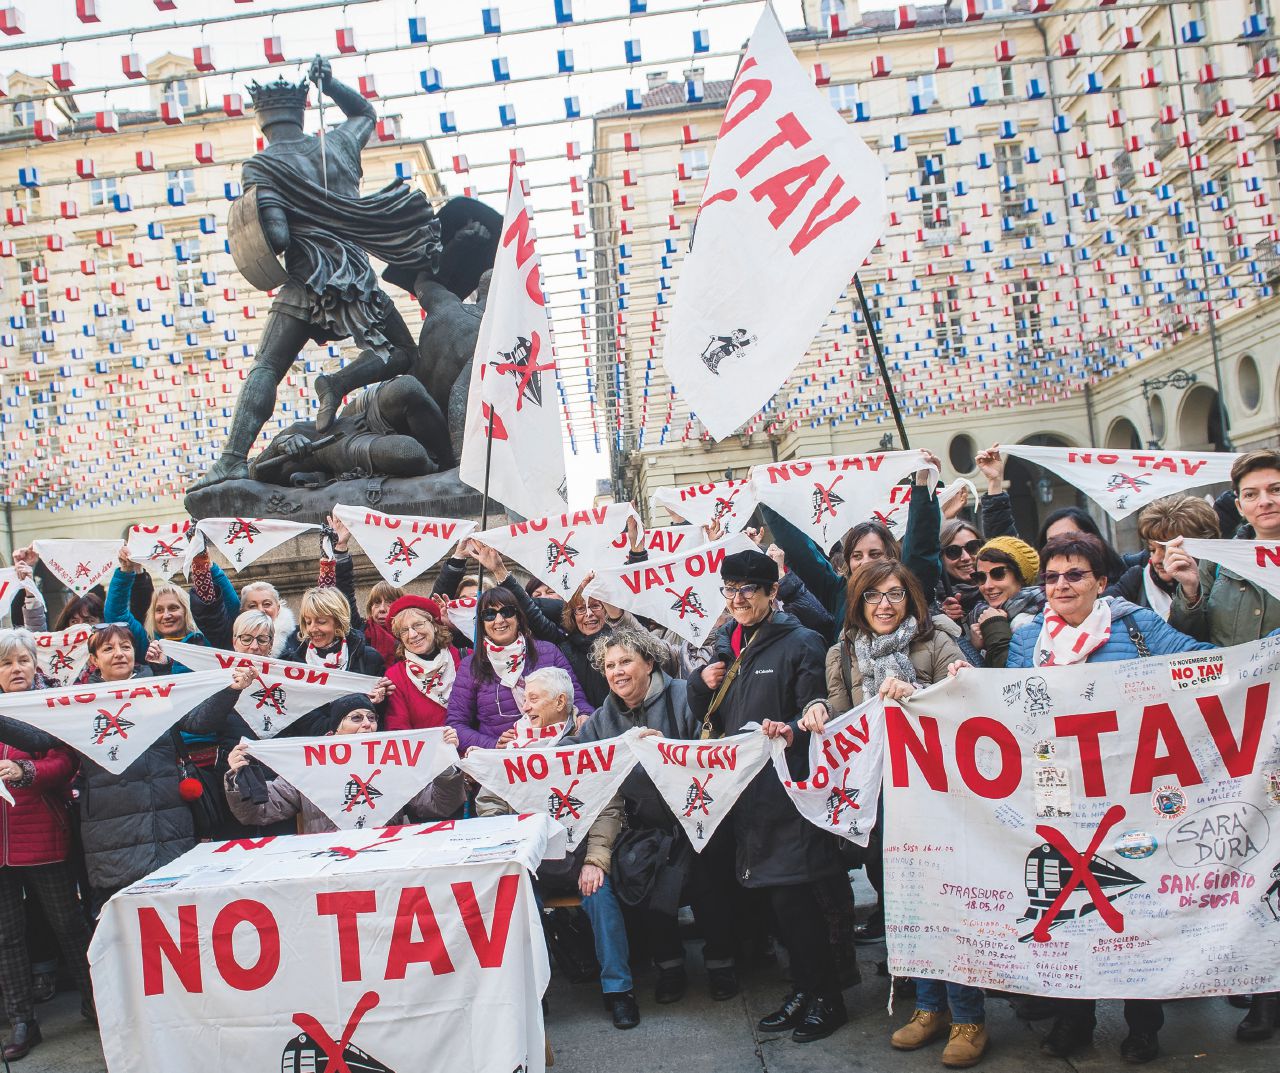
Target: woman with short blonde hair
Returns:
[[325, 637]]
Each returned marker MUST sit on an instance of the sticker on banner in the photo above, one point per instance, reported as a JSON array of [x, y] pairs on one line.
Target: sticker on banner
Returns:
[[1271, 780], [1052, 791], [1168, 802], [1136, 845], [1196, 671]]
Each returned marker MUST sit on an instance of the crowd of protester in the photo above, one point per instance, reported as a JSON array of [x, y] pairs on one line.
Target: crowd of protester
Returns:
[[805, 634]]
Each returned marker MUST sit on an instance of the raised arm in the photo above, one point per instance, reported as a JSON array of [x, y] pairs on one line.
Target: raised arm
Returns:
[[361, 117]]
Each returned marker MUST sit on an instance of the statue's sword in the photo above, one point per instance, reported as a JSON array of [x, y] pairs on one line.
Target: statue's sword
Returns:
[[324, 166]]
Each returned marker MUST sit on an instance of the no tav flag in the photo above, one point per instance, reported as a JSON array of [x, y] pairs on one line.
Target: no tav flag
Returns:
[[402, 546], [794, 201]]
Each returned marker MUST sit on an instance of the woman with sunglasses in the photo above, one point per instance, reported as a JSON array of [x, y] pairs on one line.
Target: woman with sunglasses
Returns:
[[488, 694], [425, 667], [1006, 578], [1081, 625]]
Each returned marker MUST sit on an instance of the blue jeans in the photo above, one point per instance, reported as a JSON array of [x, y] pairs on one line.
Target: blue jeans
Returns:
[[610, 933], [967, 1003]]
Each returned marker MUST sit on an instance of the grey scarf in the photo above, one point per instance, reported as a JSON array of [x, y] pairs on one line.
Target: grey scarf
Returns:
[[884, 655]]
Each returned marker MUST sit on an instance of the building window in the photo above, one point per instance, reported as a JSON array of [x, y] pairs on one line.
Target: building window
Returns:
[[1000, 82], [695, 162], [948, 320], [933, 189], [177, 92], [101, 191], [24, 114], [1026, 312], [843, 98], [997, 6], [187, 280], [184, 180], [1012, 189], [926, 88]]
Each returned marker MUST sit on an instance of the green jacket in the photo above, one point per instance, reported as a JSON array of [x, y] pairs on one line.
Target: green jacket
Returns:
[[1230, 611]]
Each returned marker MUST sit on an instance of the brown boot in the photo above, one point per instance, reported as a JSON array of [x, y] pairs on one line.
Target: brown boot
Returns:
[[924, 1027], [965, 1047]]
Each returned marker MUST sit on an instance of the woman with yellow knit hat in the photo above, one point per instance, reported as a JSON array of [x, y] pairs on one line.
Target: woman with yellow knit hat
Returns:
[[1005, 574]]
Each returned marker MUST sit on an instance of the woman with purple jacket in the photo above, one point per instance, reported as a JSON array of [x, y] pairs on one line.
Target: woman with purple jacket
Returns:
[[488, 693]]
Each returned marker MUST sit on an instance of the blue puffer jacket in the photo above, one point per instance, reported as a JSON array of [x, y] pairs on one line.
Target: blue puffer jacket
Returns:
[[1161, 638]]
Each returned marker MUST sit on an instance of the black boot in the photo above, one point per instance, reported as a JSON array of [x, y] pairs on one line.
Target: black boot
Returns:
[[821, 1019], [25, 1035], [1139, 1047], [671, 986], [1067, 1036], [723, 982], [789, 1015], [623, 1006], [1260, 1022]]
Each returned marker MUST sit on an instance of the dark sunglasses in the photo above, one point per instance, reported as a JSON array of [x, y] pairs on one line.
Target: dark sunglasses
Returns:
[[954, 551], [491, 613], [996, 573], [1071, 577]]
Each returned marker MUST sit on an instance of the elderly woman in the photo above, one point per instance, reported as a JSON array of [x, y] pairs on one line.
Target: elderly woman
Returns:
[[642, 694], [549, 703], [215, 605], [34, 846], [257, 803], [487, 695], [425, 667], [1006, 578], [326, 638], [1081, 625]]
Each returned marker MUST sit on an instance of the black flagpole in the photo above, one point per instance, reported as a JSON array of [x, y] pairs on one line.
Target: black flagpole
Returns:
[[884, 370], [484, 522]]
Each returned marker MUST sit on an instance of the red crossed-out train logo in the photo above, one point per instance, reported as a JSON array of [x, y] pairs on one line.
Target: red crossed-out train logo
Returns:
[[825, 499], [315, 1050], [82, 570], [361, 791], [724, 505], [562, 803], [242, 529], [841, 797], [108, 724], [697, 797], [560, 553], [687, 603], [402, 551]]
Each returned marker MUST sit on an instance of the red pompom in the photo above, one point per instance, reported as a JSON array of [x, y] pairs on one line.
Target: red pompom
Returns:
[[189, 789]]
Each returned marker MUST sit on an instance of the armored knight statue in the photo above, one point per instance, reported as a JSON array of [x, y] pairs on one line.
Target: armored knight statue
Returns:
[[307, 195]]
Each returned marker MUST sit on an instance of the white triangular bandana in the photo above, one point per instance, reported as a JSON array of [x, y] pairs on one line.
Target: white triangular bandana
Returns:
[[62, 656], [673, 539], [113, 723], [701, 780], [462, 615], [434, 677], [680, 591], [1121, 482], [1254, 560], [245, 540], [79, 564], [844, 773], [562, 550], [11, 585], [402, 546], [730, 503], [527, 734], [825, 497], [571, 783], [359, 780], [162, 548], [282, 693]]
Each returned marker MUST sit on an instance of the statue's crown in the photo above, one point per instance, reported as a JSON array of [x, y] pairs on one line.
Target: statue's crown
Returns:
[[278, 94]]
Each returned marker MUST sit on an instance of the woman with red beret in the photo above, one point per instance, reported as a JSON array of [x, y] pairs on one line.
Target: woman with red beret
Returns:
[[425, 666]]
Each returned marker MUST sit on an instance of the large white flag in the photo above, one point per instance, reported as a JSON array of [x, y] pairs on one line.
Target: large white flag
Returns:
[[843, 786], [163, 548], [794, 201], [79, 564], [62, 656], [571, 783], [513, 388], [113, 723], [245, 540], [281, 693], [669, 539], [1254, 560], [402, 546], [701, 780], [1121, 482], [680, 591], [825, 497], [359, 780], [729, 503], [564, 549]]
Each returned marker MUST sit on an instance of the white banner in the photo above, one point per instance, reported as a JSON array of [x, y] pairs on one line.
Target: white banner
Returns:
[[513, 386], [680, 591], [462, 615], [527, 734], [1254, 560], [281, 693], [667, 540], [162, 548], [571, 783], [825, 497], [402, 546], [843, 786], [564, 549], [62, 656], [1121, 482], [359, 780], [79, 564], [730, 503], [113, 723], [701, 780], [245, 540], [334, 953], [11, 585], [793, 202], [1091, 831]]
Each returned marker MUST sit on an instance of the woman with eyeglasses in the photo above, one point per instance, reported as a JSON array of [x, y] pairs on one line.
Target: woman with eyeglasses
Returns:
[[488, 694], [1006, 574], [426, 664]]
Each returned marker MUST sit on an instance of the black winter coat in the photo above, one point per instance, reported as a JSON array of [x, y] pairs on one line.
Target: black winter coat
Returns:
[[783, 669], [361, 658], [135, 822]]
